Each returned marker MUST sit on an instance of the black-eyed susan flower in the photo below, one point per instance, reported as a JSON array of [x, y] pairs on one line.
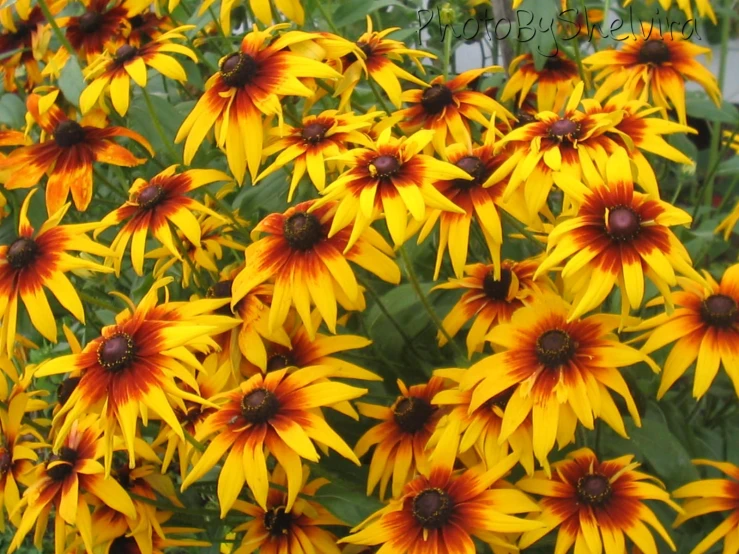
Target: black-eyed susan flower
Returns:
[[101, 22], [597, 505], [704, 328], [24, 42], [310, 265], [704, 7], [637, 132], [480, 198], [555, 81], [653, 69], [311, 146], [400, 439], [17, 456], [155, 207], [135, 366], [131, 62], [564, 371], [274, 529], [250, 84], [148, 25], [379, 64], [480, 428], [448, 107], [38, 260], [390, 176], [65, 481], [713, 495], [489, 300], [618, 236], [277, 411], [67, 155], [441, 511], [574, 143]]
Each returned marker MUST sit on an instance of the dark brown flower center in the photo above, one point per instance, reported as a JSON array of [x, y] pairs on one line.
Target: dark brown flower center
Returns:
[[432, 508], [117, 352], [222, 289], [239, 69], [277, 521], [89, 22], [655, 52], [497, 290], [593, 489], [314, 132], [137, 21], [68, 133], [124, 545], [524, 118], [150, 196], [6, 460], [259, 406], [555, 348], [624, 224], [302, 231], [411, 413], [435, 98], [554, 64], [501, 399], [125, 54], [366, 49], [279, 361], [475, 168], [719, 310], [65, 389], [384, 166], [564, 128], [60, 472], [21, 253]]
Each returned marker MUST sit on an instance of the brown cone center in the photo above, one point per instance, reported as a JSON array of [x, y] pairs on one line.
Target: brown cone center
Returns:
[[655, 52], [435, 98], [150, 196], [555, 348], [116, 353], [432, 508], [593, 489], [564, 128], [89, 22], [279, 361], [65, 389], [60, 472], [125, 53], [475, 168], [21, 253], [719, 310], [302, 231], [239, 69], [5, 461], [497, 290], [411, 413], [277, 521], [314, 132], [68, 133], [623, 223], [259, 406], [385, 166]]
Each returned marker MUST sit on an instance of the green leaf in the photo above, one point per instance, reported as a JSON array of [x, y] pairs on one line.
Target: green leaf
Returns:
[[12, 111], [729, 167], [354, 11], [350, 506], [700, 106], [71, 81]]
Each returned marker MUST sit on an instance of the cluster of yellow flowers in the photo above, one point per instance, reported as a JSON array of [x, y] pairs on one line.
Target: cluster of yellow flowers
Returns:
[[225, 345]]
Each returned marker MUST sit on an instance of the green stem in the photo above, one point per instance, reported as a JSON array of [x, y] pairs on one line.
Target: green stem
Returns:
[[160, 130], [96, 301], [416, 285], [378, 95], [57, 31], [327, 17], [192, 440], [729, 194]]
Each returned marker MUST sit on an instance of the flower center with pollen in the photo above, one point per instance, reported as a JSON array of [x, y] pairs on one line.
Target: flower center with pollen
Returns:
[[475, 168], [60, 472], [366, 49], [238, 70], [432, 508], [90, 22], [68, 133], [384, 166], [564, 128], [593, 489], [279, 361], [654, 52], [259, 406], [150, 196], [435, 98], [21, 253], [277, 521], [65, 389], [222, 289], [116, 353], [497, 290], [624, 223], [719, 310], [6, 461], [124, 545], [314, 132], [302, 231], [412, 413], [125, 54], [555, 348]]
